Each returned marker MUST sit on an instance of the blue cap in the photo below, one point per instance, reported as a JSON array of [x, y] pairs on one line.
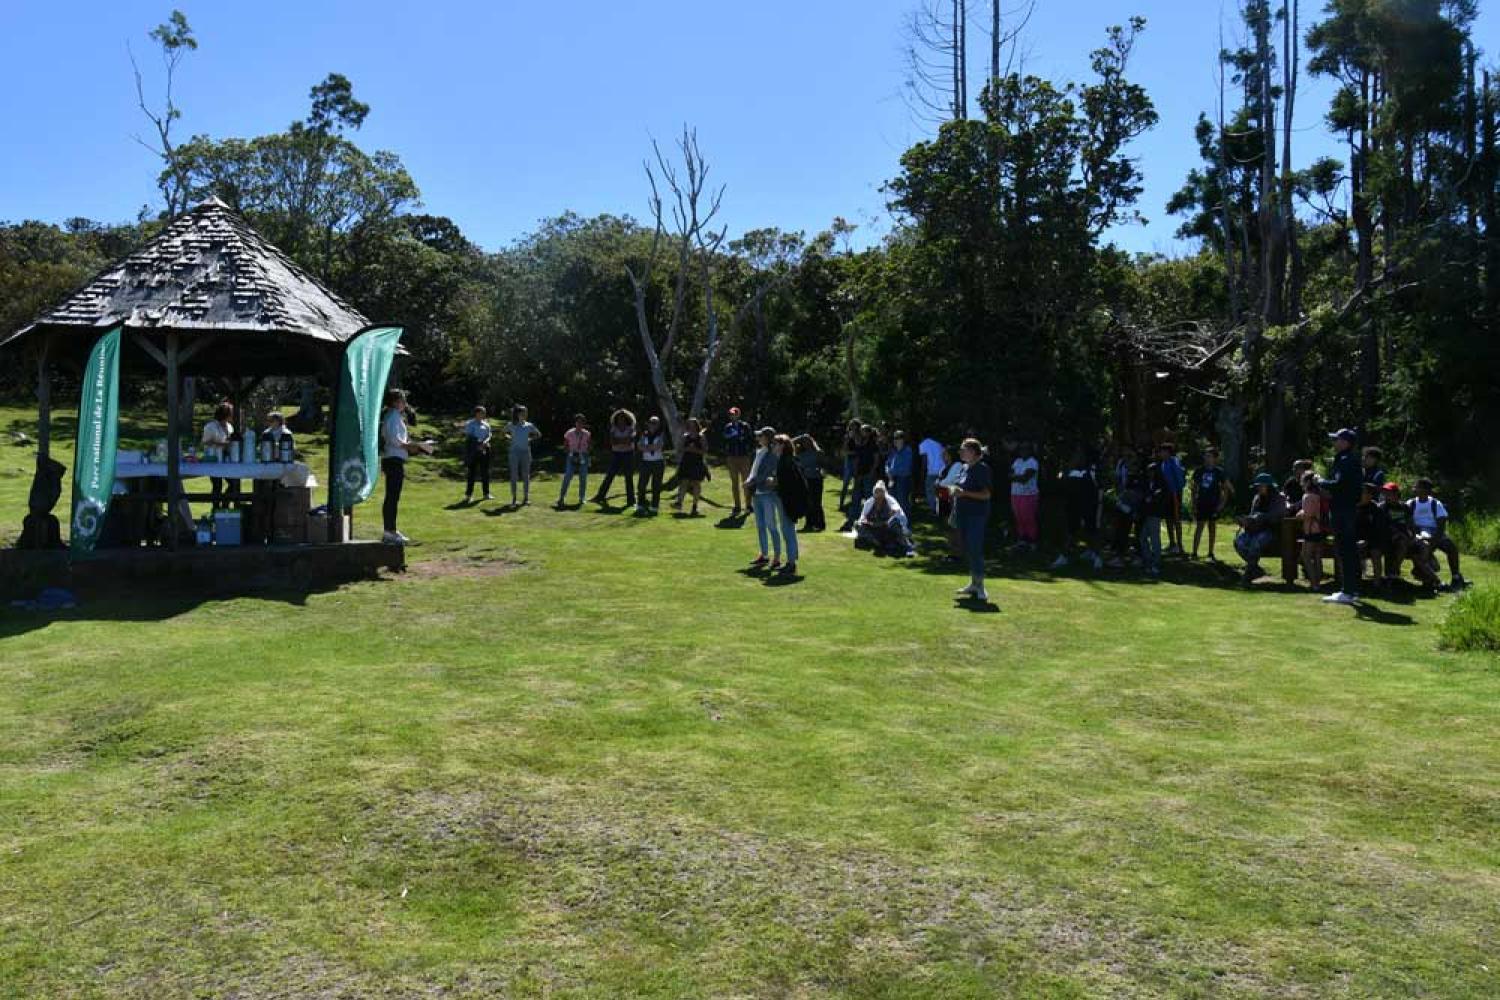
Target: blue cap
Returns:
[[1346, 434]]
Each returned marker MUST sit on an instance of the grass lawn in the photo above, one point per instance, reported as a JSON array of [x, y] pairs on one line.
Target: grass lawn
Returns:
[[583, 754]]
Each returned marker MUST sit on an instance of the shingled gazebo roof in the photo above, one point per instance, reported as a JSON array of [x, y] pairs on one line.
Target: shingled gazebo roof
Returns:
[[208, 274]]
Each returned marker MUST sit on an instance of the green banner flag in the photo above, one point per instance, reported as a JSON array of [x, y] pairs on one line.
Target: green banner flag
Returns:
[[356, 445], [98, 440]]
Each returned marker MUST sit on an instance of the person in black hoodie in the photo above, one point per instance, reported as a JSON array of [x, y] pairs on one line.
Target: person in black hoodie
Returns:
[[1344, 485], [791, 489]]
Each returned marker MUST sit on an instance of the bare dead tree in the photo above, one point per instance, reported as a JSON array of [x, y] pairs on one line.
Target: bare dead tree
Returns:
[[175, 39], [936, 52], [695, 244]]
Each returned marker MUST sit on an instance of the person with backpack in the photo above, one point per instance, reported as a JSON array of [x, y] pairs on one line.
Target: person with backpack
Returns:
[[1429, 519], [1344, 486]]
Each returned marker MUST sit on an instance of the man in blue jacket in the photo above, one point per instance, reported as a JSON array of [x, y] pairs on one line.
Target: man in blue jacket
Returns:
[[1344, 484]]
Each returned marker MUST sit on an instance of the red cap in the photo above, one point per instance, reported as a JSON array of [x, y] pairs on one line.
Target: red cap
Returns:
[[734, 410], [1392, 487]]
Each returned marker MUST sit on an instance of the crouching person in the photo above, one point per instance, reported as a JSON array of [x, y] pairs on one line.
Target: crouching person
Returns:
[[883, 525], [1268, 508]]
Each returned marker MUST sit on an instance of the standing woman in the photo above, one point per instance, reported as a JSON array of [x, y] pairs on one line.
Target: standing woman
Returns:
[[810, 462], [217, 434], [396, 444], [477, 435], [851, 444], [692, 468], [576, 444], [653, 446], [760, 487], [521, 433], [791, 498], [972, 509], [621, 456], [1025, 496]]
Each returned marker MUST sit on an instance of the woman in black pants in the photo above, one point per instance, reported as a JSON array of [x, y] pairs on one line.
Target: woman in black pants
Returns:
[[653, 456], [395, 446], [621, 457]]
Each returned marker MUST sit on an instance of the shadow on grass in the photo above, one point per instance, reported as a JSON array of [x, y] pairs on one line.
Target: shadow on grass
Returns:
[[116, 603], [732, 521]]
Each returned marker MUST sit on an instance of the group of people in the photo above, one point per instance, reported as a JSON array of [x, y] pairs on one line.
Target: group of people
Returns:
[[1114, 518], [1364, 517]]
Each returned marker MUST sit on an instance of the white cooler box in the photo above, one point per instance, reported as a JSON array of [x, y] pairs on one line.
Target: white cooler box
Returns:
[[227, 528]]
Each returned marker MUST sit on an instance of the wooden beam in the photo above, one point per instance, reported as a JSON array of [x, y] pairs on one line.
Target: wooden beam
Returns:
[[44, 400], [174, 444], [151, 350], [185, 354], [335, 516]]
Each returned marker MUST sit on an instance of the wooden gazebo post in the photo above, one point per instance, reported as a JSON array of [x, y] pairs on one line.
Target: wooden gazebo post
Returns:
[[174, 440], [44, 401]]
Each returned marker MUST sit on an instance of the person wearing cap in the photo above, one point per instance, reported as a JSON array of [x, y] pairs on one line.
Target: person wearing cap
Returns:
[[1399, 542], [1268, 508], [1344, 486], [739, 445], [1429, 519]]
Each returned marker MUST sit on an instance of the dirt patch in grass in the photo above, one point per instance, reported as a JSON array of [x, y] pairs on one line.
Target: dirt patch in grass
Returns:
[[475, 567]]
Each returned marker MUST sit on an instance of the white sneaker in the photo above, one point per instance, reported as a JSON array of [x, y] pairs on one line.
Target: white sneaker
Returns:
[[1060, 563], [965, 591], [980, 595], [393, 538], [1339, 598]]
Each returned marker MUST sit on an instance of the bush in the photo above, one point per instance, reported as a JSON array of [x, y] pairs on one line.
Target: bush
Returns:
[[1478, 535], [1473, 622]]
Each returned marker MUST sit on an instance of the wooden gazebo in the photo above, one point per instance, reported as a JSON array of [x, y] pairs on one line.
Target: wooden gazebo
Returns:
[[207, 296]]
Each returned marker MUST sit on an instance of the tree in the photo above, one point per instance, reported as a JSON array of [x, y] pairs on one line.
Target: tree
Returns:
[[175, 39], [696, 246]]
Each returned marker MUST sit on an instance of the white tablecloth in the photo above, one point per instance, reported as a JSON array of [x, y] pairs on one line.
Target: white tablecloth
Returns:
[[290, 474]]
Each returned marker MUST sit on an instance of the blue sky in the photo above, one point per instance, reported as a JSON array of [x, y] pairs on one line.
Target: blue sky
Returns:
[[507, 112]]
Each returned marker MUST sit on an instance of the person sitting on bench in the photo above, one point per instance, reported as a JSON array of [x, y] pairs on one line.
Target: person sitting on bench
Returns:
[[1429, 520], [1268, 508]]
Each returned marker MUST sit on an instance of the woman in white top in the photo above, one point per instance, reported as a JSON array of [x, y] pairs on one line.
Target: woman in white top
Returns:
[[1025, 496], [216, 437], [396, 445], [521, 433], [652, 445]]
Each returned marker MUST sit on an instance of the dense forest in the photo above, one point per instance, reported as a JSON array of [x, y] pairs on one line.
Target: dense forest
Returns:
[[1360, 291]]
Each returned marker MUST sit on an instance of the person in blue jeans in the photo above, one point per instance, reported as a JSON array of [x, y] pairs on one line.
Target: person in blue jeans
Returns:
[[760, 486], [972, 513], [1156, 508], [576, 444], [900, 466]]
